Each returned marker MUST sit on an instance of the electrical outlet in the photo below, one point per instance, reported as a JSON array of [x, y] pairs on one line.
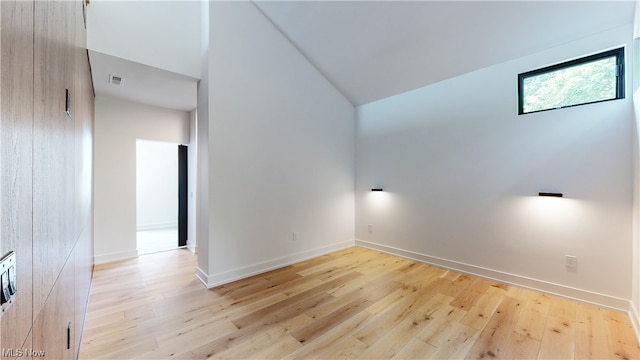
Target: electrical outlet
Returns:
[[294, 237], [370, 228], [570, 261]]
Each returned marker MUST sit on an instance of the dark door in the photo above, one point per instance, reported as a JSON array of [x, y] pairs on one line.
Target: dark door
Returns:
[[183, 195]]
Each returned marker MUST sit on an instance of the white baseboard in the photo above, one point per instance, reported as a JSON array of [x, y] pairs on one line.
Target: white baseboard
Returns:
[[222, 278], [192, 247], [202, 276], [513, 279], [157, 226], [107, 258]]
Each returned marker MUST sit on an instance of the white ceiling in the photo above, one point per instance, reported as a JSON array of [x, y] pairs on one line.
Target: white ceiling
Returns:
[[372, 50], [143, 83]]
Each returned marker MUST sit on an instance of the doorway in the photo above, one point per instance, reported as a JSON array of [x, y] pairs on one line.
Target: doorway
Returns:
[[157, 197]]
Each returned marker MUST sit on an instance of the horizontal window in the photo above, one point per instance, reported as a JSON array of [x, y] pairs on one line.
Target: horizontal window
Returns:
[[587, 80]]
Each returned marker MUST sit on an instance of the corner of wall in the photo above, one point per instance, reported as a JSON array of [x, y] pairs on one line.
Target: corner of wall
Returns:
[[192, 247], [635, 319]]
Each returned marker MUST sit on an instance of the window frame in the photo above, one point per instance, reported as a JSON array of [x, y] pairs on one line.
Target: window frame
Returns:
[[620, 77]]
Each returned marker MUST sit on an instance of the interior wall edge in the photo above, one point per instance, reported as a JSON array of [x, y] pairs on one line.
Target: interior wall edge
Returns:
[[192, 247], [635, 319], [581, 295], [202, 276]]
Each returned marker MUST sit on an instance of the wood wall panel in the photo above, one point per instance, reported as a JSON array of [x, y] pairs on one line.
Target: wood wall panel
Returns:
[[46, 179], [83, 257], [68, 162], [15, 149], [83, 107], [28, 344], [78, 110], [50, 326], [53, 152]]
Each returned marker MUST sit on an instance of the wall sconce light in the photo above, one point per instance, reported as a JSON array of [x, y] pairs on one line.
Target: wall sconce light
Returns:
[[378, 189], [550, 194]]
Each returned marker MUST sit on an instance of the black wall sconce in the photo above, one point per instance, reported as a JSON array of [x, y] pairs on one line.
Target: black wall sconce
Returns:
[[550, 194], [377, 189]]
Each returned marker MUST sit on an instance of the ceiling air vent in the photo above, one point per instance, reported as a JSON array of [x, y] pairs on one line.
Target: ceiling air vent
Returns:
[[116, 80]]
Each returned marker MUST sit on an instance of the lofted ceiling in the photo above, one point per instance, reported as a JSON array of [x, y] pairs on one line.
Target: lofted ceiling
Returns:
[[370, 50]]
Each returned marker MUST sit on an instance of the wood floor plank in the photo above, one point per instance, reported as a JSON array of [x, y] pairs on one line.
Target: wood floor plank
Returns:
[[416, 349], [387, 302], [592, 340], [234, 309], [490, 342], [520, 346], [301, 302], [347, 348], [296, 323], [482, 311], [322, 324], [454, 342], [333, 336], [267, 345], [428, 276], [354, 303], [563, 308], [619, 328], [532, 321], [454, 287], [558, 339], [253, 324], [122, 350], [188, 301], [620, 331], [436, 332], [280, 347], [398, 336], [133, 329], [408, 305], [435, 303], [371, 291], [172, 343], [468, 297], [284, 310]]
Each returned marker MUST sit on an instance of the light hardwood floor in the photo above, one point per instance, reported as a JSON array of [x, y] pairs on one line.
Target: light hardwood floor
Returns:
[[151, 241], [354, 303]]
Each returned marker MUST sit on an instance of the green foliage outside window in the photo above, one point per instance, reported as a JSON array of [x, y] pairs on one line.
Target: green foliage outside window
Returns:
[[578, 82], [594, 81]]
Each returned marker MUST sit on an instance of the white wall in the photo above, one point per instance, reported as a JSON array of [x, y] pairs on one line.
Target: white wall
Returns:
[[635, 250], [280, 151], [202, 145], [192, 175], [118, 124], [169, 40], [461, 172], [156, 185], [635, 273]]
